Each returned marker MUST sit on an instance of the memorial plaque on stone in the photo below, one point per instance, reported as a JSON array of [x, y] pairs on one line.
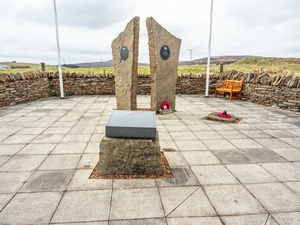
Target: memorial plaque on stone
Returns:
[[124, 53], [164, 52], [131, 124]]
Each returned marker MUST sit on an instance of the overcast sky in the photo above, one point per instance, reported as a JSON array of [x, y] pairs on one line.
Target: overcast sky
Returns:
[[87, 28]]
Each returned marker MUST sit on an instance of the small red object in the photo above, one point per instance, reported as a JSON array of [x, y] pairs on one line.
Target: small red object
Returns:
[[224, 114], [165, 105]]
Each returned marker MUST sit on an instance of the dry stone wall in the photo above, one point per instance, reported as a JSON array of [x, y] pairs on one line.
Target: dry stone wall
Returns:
[[277, 91]]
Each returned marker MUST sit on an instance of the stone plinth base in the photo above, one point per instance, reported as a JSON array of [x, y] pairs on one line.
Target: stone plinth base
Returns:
[[123, 156]]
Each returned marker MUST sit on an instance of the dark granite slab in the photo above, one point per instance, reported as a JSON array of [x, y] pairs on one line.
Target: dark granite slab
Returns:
[[131, 124]]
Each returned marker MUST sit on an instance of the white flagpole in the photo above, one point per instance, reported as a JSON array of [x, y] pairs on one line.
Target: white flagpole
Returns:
[[61, 87], [208, 58]]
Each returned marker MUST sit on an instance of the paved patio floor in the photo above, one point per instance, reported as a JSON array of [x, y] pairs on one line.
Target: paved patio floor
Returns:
[[244, 173]]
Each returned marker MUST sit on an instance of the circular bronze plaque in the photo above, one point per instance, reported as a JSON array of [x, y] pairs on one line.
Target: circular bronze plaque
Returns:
[[124, 53], [164, 52]]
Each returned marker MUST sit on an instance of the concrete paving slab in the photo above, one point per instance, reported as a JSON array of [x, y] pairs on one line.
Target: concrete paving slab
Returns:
[[295, 142], [4, 199], [190, 145], [263, 155], [202, 135], [232, 134], [48, 181], [133, 183], [295, 186], [12, 181], [92, 148], [290, 154], [27, 208], [10, 150], [275, 197], [83, 206], [159, 221], [259, 219], [213, 174], [200, 128], [232, 157], [75, 137], [69, 148], [196, 205], [164, 136], [251, 173], [81, 182], [233, 200], [195, 158], [215, 145], [131, 204], [37, 149], [177, 128], [291, 218], [88, 161], [173, 197], [195, 221], [23, 163], [283, 171], [245, 143], [175, 158], [3, 159], [182, 136], [21, 139], [48, 139], [272, 143], [60, 162], [280, 133], [251, 133]]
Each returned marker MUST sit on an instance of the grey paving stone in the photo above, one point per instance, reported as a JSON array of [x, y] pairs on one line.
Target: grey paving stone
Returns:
[[88, 161], [164, 135], [195, 158], [272, 143], [81, 181], [177, 128], [215, 145], [251, 173], [255, 133], [20, 139], [48, 139], [202, 135], [175, 158], [10, 149], [37, 149], [295, 142], [283, 171], [280, 133], [133, 183], [185, 202], [233, 200], [190, 145], [23, 163], [30, 208], [92, 148], [275, 197], [159, 221], [75, 137], [60, 162], [3, 159], [69, 148], [48, 181], [168, 145], [232, 134], [173, 197], [201, 127], [195, 221], [131, 204], [4, 199], [290, 154], [57, 130], [183, 136], [232, 157], [30, 130], [290, 218], [213, 174], [83, 206], [259, 219], [263, 155], [295, 186], [245, 143], [183, 176]]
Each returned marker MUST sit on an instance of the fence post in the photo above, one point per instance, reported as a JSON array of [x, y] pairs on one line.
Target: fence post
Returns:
[[43, 66]]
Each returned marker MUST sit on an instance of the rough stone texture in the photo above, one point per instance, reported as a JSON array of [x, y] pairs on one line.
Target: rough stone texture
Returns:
[[126, 70], [123, 156], [164, 72]]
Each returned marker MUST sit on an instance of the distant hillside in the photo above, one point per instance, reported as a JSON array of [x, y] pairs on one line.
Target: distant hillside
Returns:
[[216, 60]]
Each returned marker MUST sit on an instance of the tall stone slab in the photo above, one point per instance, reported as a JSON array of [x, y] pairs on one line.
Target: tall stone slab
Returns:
[[164, 51], [125, 58]]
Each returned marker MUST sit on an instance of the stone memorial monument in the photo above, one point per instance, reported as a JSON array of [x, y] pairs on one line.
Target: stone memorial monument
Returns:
[[131, 145], [125, 58], [164, 51]]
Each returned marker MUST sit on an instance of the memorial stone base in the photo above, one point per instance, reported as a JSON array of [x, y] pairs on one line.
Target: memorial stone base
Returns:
[[129, 156]]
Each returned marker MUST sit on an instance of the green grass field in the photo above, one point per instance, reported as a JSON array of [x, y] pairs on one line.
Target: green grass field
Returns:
[[273, 66]]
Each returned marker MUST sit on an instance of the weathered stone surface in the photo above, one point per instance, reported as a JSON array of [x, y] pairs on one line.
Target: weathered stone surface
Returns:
[[126, 70], [123, 156], [164, 72]]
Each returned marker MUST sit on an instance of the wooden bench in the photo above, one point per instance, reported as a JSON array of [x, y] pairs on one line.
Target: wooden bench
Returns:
[[230, 86]]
